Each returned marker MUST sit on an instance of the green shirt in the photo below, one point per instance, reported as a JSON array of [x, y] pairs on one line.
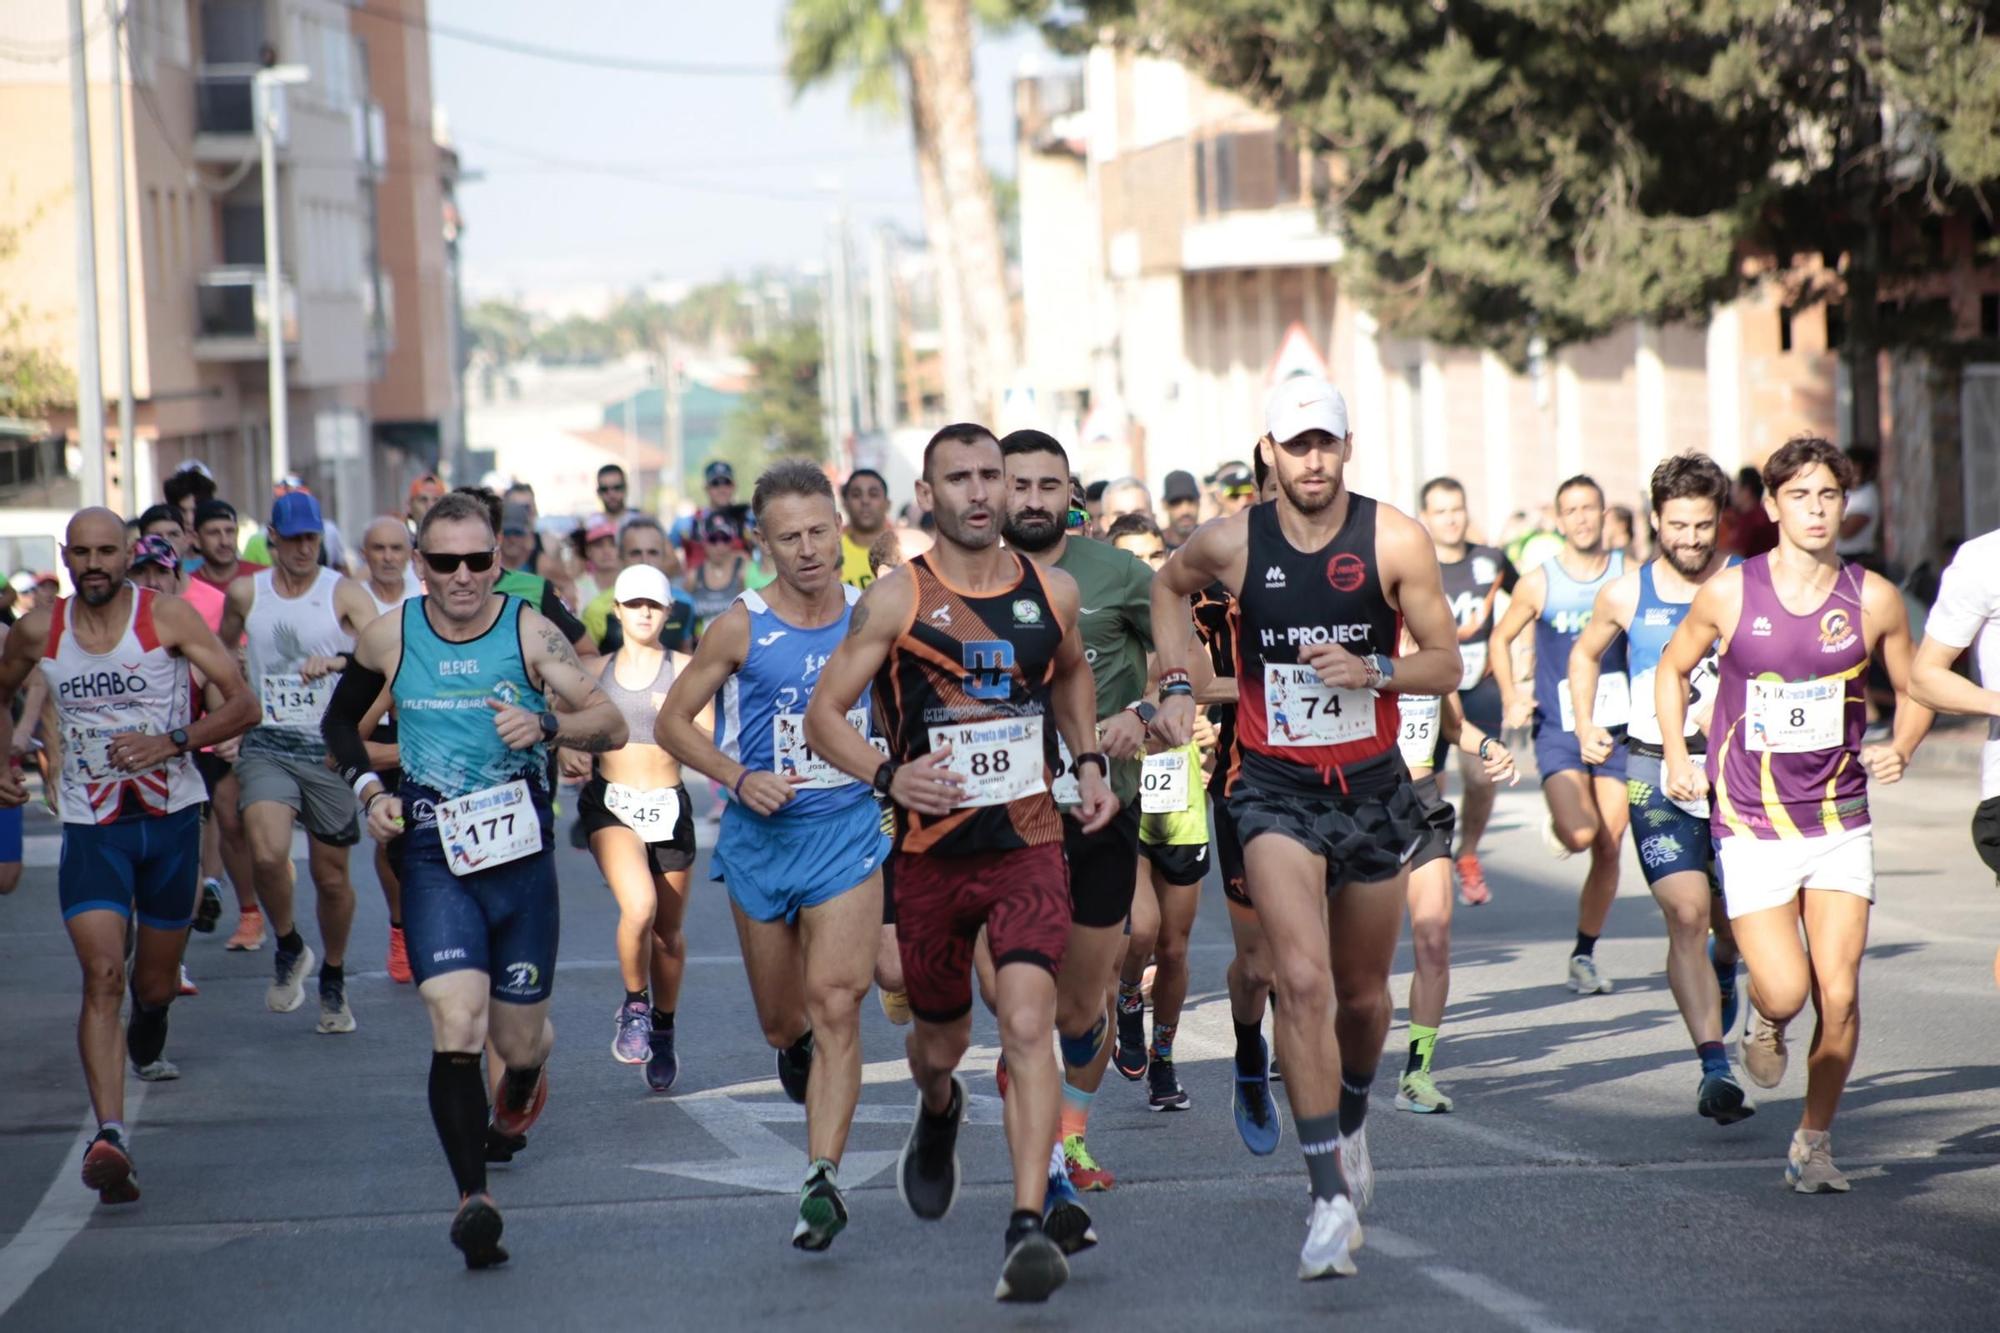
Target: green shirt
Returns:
[[1116, 619]]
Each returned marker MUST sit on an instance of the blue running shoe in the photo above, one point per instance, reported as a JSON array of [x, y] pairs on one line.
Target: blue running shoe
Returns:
[[1256, 1114], [1064, 1218], [1725, 978]]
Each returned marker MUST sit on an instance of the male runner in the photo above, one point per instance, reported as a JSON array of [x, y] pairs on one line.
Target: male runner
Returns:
[[1180, 499], [974, 653], [116, 660], [385, 548], [865, 496], [801, 844], [1322, 578], [224, 846], [425, 491], [1789, 774], [613, 493], [297, 621], [471, 672], [1586, 800], [1675, 850], [1474, 578], [1115, 612], [1967, 612]]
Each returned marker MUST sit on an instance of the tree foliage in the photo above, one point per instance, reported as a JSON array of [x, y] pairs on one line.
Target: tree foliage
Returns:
[[34, 376], [713, 316], [781, 413]]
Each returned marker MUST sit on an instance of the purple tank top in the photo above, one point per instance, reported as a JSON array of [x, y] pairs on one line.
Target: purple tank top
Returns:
[[1789, 714]]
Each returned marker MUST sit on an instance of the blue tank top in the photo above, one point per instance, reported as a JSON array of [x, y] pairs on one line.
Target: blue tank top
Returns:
[[1566, 609], [761, 723], [1654, 621], [445, 727]]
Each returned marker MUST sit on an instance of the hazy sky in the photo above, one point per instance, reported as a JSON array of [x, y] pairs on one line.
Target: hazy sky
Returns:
[[596, 176]]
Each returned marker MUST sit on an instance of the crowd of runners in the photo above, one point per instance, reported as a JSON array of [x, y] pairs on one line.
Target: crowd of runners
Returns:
[[987, 752]]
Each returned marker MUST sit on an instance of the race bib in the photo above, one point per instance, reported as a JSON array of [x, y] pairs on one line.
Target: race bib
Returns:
[[294, 703], [86, 752], [1787, 717], [1065, 789], [1001, 760], [1614, 702], [1163, 783], [1473, 657], [489, 828], [1417, 735], [793, 758], [650, 814], [1299, 711]]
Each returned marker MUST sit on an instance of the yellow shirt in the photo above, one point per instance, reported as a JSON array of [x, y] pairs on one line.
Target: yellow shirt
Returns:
[[856, 569]]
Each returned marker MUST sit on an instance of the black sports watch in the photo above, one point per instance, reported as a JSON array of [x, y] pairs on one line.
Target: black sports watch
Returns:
[[884, 776], [1143, 710], [551, 724], [179, 737], [1093, 757]]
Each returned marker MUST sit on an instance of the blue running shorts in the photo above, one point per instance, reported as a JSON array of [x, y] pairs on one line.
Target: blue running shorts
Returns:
[[776, 867]]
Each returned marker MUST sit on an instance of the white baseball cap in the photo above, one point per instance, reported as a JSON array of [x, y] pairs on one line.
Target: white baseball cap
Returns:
[[1304, 403], [641, 583]]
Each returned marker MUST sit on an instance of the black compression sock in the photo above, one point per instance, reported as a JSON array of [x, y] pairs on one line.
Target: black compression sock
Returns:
[[291, 943], [635, 997], [458, 1109], [663, 1020], [1250, 1056], [1318, 1138], [1353, 1100], [800, 1051], [1586, 945], [518, 1085], [394, 924], [332, 974], [146, 1032]]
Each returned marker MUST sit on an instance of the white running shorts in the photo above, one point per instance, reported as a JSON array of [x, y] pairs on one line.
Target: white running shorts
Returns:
[[1760, 873]]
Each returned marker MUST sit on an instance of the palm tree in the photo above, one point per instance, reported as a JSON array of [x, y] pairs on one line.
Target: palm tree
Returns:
[[916, 58]]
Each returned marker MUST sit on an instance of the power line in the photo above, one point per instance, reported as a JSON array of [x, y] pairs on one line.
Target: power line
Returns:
[[560, 55]]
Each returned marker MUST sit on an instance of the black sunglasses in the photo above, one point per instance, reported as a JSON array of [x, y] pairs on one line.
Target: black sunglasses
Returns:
[[618, 486], [447, 562]]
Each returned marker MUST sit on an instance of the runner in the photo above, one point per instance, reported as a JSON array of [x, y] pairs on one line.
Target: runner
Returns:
[[164, 522], [1180, 499], [641, 830], [1675, 852], [613, 494], [1474, 578], [224, 847], [643, 542], [595, 545], [865, 497], [1790, 804], [300, 619], [715, 583], [1967, 612], [974, 652], [471, 672], [116, 660], [385, 547], [1586, 800], [801, 844], [425, 491], [1322, 578]]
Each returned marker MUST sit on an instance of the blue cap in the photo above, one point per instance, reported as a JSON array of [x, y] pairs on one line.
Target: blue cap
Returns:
[[295, 514]]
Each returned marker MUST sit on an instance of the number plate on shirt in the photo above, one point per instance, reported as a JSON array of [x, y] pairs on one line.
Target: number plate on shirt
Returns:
[[1300, 711], [1788, 717], [1163, 783], [1416, 736], [489, 828], [1614, 702], [650, 814], [295, 703], [1472, 658], [1001, 761], [86, 752], [793, 758]]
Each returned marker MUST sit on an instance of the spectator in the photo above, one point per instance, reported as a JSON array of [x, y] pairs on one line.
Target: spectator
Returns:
[[865, 497], [1860, 538], [1181, 498], [1747, 529]]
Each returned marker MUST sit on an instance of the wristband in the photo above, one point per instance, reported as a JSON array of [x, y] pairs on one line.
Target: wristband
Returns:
[[1093, 757], [369, 804], [737, 790], [1484, 741], [1177, 690], [364, 780], [1175, 676]]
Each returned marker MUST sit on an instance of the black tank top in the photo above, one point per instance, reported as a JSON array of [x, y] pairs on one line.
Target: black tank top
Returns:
[[1291, 731], [964, 660]]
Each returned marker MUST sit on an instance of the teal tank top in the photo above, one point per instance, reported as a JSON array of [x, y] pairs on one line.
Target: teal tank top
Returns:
[[444, 726]]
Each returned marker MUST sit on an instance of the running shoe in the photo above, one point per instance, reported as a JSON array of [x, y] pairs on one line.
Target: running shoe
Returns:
[[249, 936], [1553, 840], [161, 1070], [210, 910], [399, 957], [1034, 1268], [1764, 1055], [895, 1006], [187, 986], [1333, 1233], [108, 1169], [1277, 1074], [1000, 1076], [822, 1212], [1256, 1115], [500, 1148], [1585, 979], [1809, 1167], [1084, 1172], [288, 990], [1064, 1217], [476, 1232], [515, 1121], [1357, 1168], [1416, 1092], [1473, 890], [927, 1173], [1725, 981], [1130, 1056], [635, 1026], [335, 1017], [662, 1065], [1723, 1100], [795, 1071], [1167, 1093]]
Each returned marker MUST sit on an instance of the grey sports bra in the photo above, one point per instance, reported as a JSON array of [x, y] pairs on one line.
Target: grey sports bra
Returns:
[[636, 706]]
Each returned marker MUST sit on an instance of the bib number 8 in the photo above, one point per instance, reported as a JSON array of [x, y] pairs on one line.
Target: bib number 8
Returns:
[[1798, 717]]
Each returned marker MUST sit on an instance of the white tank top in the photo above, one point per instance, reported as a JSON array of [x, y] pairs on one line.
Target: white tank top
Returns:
[[137, 686], [383, 608], [278, 636]]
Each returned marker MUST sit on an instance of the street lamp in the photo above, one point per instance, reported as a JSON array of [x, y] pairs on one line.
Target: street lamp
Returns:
[[274, 333]]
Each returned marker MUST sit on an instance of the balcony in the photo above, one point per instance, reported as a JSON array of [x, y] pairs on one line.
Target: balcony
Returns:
[[234, 314], [225, 115]]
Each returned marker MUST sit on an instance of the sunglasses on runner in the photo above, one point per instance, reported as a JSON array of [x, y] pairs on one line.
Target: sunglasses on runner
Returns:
[[447, 562]]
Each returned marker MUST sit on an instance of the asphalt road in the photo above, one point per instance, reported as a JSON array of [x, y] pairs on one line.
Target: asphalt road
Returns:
[[294, 1181]]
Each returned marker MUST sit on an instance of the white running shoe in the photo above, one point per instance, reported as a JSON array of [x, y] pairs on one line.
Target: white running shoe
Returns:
[[1358, 1169], [288, 990], [161, 1070], [1809, 1167], [1557, 848], [1333, 1233], [1585, 979]]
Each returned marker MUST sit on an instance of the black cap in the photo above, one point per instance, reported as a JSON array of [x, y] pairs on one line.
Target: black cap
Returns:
[[717, 470], [1094, 492], [1179, 487], [1233, 475]]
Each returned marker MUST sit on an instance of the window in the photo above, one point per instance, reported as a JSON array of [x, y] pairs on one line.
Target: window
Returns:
[[1225, 172], [1288, 165], [1201, 178], [1989, 315]]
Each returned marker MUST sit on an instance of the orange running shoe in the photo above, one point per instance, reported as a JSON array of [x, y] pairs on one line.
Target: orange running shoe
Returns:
[[515, 1121], [1472, 888], [1084, 1172], [249, 936], [107, 1168], [399, 958]]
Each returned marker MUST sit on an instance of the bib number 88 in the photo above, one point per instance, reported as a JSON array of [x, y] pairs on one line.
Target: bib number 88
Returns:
[[984, 764]]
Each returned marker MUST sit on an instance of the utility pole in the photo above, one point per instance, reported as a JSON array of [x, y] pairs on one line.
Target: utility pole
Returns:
[[266, 82], [881, 332], [89, 379], [138, 469], [829, 418], [843, 363], [857, 347]]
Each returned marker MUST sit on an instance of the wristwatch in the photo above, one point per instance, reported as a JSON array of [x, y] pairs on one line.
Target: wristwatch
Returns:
[[551, 724], [1143, 710], [179, 737], [1093, 757], [884, 776], [1381, 670]]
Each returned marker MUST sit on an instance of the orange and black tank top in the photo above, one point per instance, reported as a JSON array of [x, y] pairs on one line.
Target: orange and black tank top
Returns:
[[974, 671]]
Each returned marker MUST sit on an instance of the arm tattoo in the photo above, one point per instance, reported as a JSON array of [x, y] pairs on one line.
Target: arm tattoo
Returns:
[[859, 619], [594, 743], [558, 647]]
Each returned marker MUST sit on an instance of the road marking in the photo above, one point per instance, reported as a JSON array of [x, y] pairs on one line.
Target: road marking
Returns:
[[65, 1209], [1490, 1296]]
